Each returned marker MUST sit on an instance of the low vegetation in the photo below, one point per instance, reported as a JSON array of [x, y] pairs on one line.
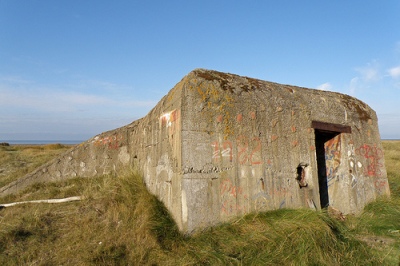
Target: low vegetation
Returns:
[[119, 223], [392, 162], [18, 160]]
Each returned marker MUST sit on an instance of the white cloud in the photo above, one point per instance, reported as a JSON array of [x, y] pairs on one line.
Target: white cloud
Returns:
[[354, 85], [369, 76], [394, 72], [370, 72], [19, 93], [57, 112], [14, 80], [76, 98], [48, 100], [325, 86], [377, 84]]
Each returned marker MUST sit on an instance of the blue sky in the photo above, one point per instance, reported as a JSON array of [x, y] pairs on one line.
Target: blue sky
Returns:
[[72, 69]]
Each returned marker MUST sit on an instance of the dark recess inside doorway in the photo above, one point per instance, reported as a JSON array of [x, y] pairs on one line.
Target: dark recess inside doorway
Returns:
[[323, 133]]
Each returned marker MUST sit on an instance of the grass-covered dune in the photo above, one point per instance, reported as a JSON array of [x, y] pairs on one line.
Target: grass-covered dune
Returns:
[[119, 223]]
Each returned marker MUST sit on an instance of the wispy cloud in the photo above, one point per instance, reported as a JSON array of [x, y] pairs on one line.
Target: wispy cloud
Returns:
[[367, 76], [394, 72], [377, 84], [370, 72], [17, 93], [354, 84], [98, 85], [47, 99], [14, 80], [84, 108], [325, 86]]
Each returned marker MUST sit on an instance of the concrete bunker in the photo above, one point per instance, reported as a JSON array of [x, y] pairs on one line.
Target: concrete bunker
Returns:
[[219, 145]]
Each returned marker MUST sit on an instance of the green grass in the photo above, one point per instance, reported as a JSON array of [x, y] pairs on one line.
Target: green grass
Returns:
[[392, 162], [18, 160], [120, 223]]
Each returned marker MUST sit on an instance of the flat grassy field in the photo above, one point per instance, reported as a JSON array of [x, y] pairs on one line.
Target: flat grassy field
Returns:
[[18, 160], [119, 223]]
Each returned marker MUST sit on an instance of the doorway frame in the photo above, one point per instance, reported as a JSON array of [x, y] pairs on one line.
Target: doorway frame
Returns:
[[324, 132]]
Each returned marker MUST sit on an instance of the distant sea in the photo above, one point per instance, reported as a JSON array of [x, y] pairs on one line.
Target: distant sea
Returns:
[[42, 142]]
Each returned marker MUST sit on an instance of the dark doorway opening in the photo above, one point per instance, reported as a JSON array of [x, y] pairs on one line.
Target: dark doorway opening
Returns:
[[321, 137], [325, 132]]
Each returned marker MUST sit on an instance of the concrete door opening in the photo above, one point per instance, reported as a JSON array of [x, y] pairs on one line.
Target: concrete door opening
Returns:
[[327, 146], [322, 137]]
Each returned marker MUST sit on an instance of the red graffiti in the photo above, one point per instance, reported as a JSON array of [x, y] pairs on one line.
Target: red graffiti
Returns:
[[230, 194], [373, 155], [227, 187], [242, 145], [112, 142], [245, 154], [379, 183]]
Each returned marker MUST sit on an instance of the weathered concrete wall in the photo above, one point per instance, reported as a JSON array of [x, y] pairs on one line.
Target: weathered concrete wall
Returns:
[[220, 145], [243, 140]]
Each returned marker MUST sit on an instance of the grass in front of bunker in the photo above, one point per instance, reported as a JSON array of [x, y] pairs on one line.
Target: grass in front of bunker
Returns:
[[117, 223], [18, 160], [392, 163], [120, 223]]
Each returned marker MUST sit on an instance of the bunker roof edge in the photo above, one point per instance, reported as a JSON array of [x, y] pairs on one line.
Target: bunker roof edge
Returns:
[[251, 84]]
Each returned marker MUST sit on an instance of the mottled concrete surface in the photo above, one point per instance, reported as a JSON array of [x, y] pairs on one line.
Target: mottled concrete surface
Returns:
[[219, 146]]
